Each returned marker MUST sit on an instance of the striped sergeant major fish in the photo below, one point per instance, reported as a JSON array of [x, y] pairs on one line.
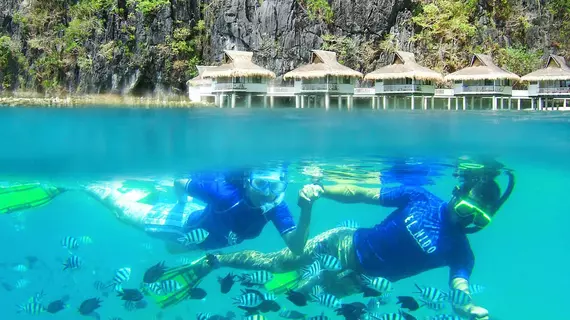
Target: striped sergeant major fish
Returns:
[[312, 270], [69, 243], [433, 305], [476, 289], [122, 275], [255, 317], [31, 308], [328, 262], [256, 278], [250, 300], [387, 316], [72, 262], [431, 294], [193, 237], [203, 315], [329, 300], [377, 283], [349, 224], [169, 286], [459, 298]]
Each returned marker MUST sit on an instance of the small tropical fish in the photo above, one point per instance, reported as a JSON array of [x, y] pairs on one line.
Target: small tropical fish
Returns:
[[85, 240], [88, 306], [349, 224], [378, 283], [72, 262], [155, 288], [169, 286], [154, 273], [328, 262], [433, 305], [256, 278], [58, 305], [21, 284], [408, 303], [250, 300], [122, 275], [297, 298], [232, 239], [130, 295], [292, 314], [476, 289], [255, 317], [317, 290], [351, 311], [391, 316], [20, 268], [329, 300], [312, 270], [203, 315], [269, 296], [431, 294], [31, 308], [69, 243], [459, 298], [38, 297], [197, 293], [226, 283], [193, 237]]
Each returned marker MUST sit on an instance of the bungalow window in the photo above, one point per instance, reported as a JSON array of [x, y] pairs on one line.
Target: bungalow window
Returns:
[[256, 79], [489, 82], [408, 80], [345, 80], [564, 83]]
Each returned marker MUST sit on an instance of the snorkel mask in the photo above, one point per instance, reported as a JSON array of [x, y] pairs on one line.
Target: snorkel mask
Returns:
[[268, 182], [478, 215]]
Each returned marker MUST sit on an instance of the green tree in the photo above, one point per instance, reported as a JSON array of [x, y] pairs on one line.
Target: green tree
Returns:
[[446, 32]]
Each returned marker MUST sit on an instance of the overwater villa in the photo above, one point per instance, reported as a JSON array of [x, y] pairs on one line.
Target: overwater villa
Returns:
[[238, 77], [404, 79], [482, 80], [322, 79], [550, 83], [200, 88]]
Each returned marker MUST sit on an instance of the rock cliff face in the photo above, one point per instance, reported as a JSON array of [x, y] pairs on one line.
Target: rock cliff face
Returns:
[[143, 46]]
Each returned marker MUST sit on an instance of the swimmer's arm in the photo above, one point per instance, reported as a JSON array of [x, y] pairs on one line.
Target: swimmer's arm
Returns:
[[297, 238], [347, 193]]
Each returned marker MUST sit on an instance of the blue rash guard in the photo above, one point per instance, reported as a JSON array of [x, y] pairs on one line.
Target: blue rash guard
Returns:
[[416, 237], [227, 210]]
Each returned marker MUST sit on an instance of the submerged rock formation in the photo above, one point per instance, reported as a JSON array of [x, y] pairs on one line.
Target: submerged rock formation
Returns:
[[144, 46]]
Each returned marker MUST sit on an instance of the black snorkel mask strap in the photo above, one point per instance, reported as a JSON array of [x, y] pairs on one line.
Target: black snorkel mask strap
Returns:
[[499, 204]]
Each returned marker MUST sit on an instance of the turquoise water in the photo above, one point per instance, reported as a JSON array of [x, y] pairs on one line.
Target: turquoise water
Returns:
[[521, 258]]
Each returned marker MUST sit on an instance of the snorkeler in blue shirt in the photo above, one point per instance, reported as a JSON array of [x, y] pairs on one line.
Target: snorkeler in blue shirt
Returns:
[[229, 209], [423, 233]]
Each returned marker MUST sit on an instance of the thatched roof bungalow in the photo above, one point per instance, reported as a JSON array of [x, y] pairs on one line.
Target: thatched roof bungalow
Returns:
[[323, 74], [552, 80], [404, 75], [199, 80], [239, 73], [482, 77]]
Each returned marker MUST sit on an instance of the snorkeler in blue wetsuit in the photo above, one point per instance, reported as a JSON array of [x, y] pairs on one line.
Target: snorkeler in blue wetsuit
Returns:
[[238, 210], [229, 209], [423, 233]]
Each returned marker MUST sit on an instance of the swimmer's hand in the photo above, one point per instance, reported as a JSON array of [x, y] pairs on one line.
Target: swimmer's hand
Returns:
[[478, 313], [309, 194]]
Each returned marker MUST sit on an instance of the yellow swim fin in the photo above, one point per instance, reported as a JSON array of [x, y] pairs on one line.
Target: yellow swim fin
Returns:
[[25, 196]]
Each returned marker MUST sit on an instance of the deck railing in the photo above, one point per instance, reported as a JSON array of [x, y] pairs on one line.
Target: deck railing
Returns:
[[229, 86], [319, 87], [401, 87]]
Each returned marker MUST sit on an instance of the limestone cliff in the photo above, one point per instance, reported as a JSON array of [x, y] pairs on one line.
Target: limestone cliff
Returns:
[[140, 46]]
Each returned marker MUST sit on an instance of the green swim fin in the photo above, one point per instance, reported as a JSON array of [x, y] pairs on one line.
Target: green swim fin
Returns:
[[282, 282], [26, 196], [188, 276]]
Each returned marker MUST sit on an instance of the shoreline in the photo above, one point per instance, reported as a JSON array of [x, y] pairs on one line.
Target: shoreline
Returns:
[[86, 101]]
